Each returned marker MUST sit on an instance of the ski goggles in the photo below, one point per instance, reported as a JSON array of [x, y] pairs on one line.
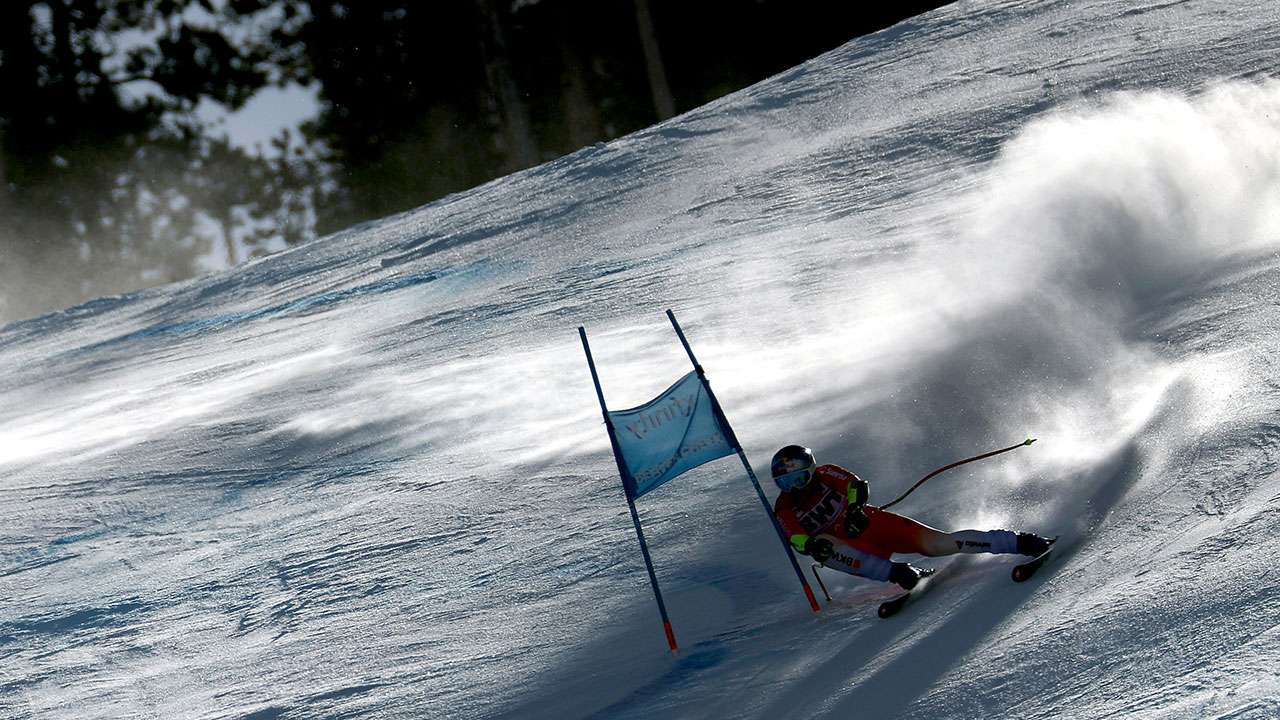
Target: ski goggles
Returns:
[[795, 479]]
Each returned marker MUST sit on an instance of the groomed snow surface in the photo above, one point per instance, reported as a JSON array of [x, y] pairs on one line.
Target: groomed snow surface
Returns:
[[367, 477]]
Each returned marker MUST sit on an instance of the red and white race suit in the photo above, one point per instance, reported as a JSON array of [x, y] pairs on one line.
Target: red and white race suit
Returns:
[[818, 509]]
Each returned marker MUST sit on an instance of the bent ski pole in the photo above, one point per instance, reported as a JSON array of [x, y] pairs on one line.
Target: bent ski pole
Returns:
[[957, 463], [821, 584]]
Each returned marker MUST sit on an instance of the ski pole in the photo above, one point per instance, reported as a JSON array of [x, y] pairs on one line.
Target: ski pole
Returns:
[[957, 463], [821, 584]]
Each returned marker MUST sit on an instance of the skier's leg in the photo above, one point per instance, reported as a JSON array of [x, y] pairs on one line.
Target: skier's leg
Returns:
[[893, 533], [857, 562], [871, 566], [972, 541]]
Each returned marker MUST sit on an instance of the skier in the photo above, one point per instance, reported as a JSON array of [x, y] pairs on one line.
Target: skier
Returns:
[[823, 510]]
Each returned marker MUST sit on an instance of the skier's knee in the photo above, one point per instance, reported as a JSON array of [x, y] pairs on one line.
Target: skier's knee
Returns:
[[857, 562], [940, 544]]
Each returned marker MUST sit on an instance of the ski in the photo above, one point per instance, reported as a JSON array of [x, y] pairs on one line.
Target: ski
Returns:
[[889, 608], [1023, 572]]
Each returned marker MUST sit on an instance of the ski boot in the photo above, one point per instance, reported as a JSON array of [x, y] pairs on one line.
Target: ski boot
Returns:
[[1032, 544], [905, 575]]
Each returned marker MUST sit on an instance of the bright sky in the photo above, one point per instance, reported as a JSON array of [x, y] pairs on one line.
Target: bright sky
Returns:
[[264, 116], [269, 111]]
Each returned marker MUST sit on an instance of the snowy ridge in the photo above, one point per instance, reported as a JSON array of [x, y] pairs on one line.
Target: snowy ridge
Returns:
[[366, 477]]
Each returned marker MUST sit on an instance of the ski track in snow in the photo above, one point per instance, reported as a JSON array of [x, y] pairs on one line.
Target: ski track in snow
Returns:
[[366, 477]]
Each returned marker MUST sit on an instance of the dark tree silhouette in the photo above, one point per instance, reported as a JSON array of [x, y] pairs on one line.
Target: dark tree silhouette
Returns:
[[108, 181], [104, 189], [664, 104]]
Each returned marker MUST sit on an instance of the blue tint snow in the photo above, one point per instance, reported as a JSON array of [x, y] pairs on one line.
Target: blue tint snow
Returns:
[[368, 477]]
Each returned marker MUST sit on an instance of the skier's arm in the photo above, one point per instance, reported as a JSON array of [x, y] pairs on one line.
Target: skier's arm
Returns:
[[819, 549], [855, 489], [846, 483], [785, 510]]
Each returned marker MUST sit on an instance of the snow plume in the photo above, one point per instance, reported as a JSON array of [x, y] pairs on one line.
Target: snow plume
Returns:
[[1126, 201], [1087, 227]]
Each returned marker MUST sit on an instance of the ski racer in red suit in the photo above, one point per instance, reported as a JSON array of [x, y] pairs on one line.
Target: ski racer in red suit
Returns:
[[823, 510]]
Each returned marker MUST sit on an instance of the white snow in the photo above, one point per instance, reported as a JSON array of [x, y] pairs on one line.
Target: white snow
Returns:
[[368, 477]]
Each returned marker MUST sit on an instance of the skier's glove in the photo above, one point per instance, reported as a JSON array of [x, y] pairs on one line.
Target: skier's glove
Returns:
[[819, 549], [855, 521], [858, 492]]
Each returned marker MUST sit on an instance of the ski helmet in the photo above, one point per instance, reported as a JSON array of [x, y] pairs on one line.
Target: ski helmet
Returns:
[[792, 467]]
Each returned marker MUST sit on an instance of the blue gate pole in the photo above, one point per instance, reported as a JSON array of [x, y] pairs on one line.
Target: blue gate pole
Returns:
[[631, 503], [733, 440]]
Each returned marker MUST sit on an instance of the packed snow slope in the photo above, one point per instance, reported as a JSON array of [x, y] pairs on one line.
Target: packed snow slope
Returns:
[[367, 477]]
